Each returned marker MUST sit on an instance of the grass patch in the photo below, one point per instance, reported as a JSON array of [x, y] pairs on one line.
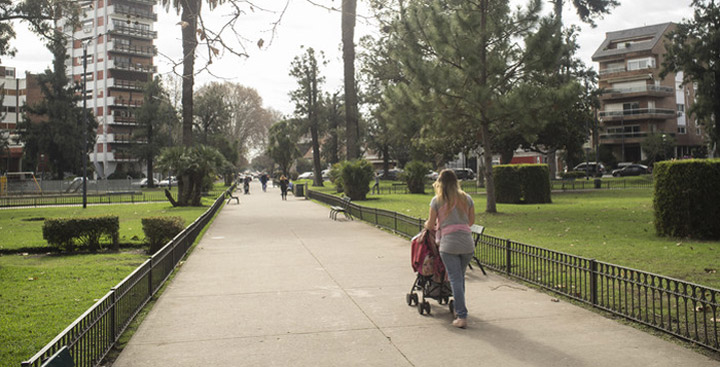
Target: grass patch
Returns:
[[40, 295], [614, 226], [22, 228]]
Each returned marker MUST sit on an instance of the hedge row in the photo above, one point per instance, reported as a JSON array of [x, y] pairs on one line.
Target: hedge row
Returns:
[[68, 233], [160, 230], [522, 183], [687, 200]]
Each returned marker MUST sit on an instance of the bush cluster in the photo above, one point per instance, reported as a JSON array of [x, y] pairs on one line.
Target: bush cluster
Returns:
[[686, 200], [65, 233], [356, 177], [159, 230], [414, 176], [336, 175], [522, 183]]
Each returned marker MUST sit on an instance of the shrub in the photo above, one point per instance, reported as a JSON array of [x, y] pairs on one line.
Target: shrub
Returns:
[[522, 183], [686, 201], [414, 176], [159, 230], [507, 184], [336, 175], [535, 183], [356, 177], [64, 232]]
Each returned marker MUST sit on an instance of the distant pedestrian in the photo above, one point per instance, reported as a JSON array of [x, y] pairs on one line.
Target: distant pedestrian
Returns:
[[284, 183], [377, 184], [452, 212], [246, 184], [264, 181]]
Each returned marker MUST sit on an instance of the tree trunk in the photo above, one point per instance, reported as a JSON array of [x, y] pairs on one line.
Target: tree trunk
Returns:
[[351, 110], [490, 207], [190, 11]]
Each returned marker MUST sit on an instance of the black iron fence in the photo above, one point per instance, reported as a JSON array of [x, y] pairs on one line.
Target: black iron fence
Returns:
[[685, 310], [95, 333], [75, 199]]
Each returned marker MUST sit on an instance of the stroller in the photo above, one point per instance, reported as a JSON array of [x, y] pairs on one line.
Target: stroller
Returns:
[[431, 277]]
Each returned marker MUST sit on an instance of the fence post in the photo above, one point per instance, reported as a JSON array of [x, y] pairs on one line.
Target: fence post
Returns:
[[150, 277], [593, 282], [508, 261], [113, 315]]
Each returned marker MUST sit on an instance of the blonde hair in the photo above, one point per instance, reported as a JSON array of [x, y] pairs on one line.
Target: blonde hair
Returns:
[[448, 191]]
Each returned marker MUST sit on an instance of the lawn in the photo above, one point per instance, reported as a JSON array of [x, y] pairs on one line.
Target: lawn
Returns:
[[614, 226], [21, 229], [41, 294]]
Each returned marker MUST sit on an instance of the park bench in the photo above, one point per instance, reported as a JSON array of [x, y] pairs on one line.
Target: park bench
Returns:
[[231, 197], [344, 208], [476, 232], [60, 359]]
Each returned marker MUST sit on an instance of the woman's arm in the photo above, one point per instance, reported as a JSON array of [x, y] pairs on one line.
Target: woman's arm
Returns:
[[471, 212], [432, 218]]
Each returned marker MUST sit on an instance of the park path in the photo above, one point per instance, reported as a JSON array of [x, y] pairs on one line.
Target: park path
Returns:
[[277, 283]]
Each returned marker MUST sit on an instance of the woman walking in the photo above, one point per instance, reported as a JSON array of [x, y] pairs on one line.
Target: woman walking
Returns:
[[452, 212], [283, 187]]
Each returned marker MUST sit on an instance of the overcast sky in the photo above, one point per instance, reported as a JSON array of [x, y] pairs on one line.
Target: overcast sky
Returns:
[[310, 25]]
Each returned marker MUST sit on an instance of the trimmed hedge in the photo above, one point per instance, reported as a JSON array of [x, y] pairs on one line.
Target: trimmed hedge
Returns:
[[686, 200], [522, 183], [64, 233], [159, 230]]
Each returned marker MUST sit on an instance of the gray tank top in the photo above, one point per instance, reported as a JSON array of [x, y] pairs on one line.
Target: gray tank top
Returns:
[[458, 242]]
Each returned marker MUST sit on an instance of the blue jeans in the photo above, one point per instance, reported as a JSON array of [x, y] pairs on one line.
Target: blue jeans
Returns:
[[456, 264]]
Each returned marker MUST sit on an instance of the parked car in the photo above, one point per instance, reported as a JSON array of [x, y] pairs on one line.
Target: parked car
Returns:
[[144, 182], [393, 174], [432, 175], [326, 174], [631, 170], [464, 173], [591, 168], [168, 182], [309, 175]]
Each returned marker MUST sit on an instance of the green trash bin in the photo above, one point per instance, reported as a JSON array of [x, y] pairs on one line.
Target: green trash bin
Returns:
[[299, 190], [598, 183]]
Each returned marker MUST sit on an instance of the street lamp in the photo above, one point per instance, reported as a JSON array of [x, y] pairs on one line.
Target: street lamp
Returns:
[[85, 122]]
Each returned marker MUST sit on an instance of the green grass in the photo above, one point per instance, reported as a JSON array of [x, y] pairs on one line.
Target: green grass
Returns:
[[22, 228], [614, 226], [40, 295]]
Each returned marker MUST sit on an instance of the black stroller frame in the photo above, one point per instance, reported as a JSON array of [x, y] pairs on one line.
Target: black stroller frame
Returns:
[[440, 292]]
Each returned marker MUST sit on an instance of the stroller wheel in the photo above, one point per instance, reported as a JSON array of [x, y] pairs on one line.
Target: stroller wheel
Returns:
[[409, 299], [415, 298], [451, 305], [421, 308], [426, 306]]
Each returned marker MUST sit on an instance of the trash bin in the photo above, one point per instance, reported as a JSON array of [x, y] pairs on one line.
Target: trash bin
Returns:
[[598, 183], [299, 190]]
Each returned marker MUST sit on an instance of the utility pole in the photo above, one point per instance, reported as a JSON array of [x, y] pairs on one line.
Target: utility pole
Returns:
[[85, 123]]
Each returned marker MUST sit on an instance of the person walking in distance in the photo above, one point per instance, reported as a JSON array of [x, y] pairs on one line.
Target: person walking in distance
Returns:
[[264, 181], [377, 184], [283, 187], [452, 212], [246, 184]]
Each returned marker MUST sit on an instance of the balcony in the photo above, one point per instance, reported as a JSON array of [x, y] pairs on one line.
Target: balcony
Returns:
[[128, 66], [648, 90], [132, 32], [638, 114], [134, 12], [125, 139], [146, 2], [122, 102], [147, 51], [624, 136], [122, 121], [125, 84]]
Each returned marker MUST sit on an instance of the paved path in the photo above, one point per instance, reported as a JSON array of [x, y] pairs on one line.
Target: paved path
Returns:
[[276, 283]]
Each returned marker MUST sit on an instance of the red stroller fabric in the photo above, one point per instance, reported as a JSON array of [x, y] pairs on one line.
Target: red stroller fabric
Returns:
[[425, 258]]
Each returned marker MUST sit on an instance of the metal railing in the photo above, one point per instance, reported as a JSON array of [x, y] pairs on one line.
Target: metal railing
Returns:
[[683, 309], [106, 198], [95, 333], [583, 184], [638, 111]]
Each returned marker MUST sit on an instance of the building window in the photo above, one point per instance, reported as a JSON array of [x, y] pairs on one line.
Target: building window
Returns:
[[87, 25], [639, 64], [682, 130]]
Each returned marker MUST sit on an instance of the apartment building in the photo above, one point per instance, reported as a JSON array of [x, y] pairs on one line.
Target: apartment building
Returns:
[[118, 37], [637, 101]]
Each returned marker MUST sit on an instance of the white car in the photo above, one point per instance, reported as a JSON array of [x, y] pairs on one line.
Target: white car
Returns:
[[168, 182], [309, 175], [144, 182]]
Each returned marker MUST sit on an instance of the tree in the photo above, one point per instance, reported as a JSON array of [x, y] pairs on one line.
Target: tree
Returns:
[[54, 126], [307, 101], [249, 120], [694, 50], [212, 110], [658, 147], [586, 9], [461, 60], [199, 162], [39, 15], [349, 8], [153, 118], [331, 116], [281, 145]]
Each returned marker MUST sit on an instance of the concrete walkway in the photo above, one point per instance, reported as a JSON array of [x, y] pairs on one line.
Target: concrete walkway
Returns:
[[277, 283]]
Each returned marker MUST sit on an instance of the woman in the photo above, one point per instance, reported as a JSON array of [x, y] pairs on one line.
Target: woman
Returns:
[[452, 212], [283, 187]]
